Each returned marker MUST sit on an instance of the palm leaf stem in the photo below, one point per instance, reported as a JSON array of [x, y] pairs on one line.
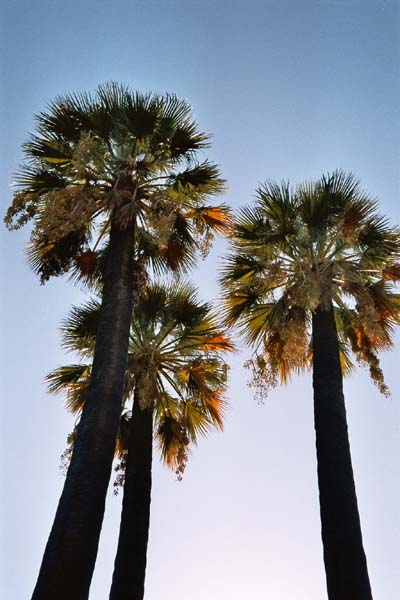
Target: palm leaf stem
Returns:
[[102, 233]]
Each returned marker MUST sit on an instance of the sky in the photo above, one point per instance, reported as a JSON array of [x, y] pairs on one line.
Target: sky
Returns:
[[289, 90]]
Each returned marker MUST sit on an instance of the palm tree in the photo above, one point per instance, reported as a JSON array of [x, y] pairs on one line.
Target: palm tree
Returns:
[[118, 164], [309, 281], [176, 376]]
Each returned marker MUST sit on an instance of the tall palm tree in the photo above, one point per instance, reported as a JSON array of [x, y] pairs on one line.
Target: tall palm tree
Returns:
[[116, 164], [309, 281], [176, 376]]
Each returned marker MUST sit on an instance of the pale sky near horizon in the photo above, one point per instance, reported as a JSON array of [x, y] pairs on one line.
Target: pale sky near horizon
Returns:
[[289, 90]]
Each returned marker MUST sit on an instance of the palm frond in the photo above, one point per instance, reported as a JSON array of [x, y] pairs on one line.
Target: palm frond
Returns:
[[202, 179], [218, 342], [141, 114], [172, 441], [177, 251], [49, 258], [379, 243], [72, 381], [79, 329], [217, 218], [215, 407]]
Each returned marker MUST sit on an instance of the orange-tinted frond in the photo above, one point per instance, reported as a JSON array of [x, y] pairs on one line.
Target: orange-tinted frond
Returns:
[[219, 342], [285, 373], [216, 406], [194, 375], [172, 442], [218, 218], [345, 363]]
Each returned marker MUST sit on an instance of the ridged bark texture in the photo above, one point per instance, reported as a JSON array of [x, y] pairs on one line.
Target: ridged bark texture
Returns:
[[130, 561], [345, 561], [71, 550]]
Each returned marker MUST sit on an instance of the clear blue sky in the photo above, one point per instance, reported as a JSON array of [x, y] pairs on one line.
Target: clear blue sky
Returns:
[[290, 89]]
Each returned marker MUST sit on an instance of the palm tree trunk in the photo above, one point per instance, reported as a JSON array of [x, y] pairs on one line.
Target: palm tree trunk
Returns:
[[71, 550], [345, 561], [130, 561]]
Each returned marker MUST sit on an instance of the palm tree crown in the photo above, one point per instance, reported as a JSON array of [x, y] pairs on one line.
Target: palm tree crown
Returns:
[[314, 245], [114, 157], [175, 358]]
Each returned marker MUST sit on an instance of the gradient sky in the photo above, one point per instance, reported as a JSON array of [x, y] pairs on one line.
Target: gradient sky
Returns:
[[289, 89]]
